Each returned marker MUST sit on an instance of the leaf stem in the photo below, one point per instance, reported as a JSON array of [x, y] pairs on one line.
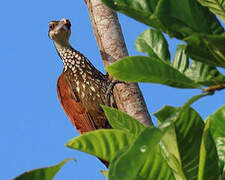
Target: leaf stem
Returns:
[[215, 88]]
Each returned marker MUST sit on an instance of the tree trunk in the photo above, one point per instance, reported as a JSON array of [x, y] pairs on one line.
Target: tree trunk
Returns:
[[111, 44]]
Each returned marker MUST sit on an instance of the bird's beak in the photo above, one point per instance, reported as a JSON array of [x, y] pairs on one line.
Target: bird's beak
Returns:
[[61, 24]]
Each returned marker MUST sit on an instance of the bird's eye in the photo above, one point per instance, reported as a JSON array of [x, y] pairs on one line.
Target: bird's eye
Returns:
[[51, 26]]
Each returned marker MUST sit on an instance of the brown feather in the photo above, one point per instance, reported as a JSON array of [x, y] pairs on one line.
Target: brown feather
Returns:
[[75, 111], [73, 106], [88, 118]]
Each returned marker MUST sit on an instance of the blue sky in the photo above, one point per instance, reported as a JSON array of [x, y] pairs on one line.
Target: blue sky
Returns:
[[33, 126]]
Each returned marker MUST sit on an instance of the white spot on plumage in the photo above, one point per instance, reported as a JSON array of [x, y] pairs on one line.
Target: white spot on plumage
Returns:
[[76, 56], [78, 62], [79, 58], [82, 94], [78, 88], [84, 86], [84, 76], [92, 88], [80, 69], [77, 82], [98, 95], [72, 62]]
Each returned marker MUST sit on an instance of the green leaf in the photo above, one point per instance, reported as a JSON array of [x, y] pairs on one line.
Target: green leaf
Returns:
[[189, 128], [171, 153], [142, 160], [216, 6], [220, 145], [217, 123], [178, 18], [47, 173], [122, 121], [154, 44], [208, 164], [146, 69], [181, 59], [199, 72], [217, 129], [102, 143], [167, 113], [208, 49]]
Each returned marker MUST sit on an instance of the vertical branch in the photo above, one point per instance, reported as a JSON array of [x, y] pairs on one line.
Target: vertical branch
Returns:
[[111, 44]]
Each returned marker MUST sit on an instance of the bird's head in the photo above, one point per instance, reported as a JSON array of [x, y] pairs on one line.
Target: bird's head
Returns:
[[59, 31]]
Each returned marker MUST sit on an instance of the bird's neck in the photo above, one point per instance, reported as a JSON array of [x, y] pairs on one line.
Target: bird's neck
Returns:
[[73, 59], [62, 45]]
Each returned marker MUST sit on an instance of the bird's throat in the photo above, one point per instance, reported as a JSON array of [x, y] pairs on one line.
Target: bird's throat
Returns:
[[62, 45]]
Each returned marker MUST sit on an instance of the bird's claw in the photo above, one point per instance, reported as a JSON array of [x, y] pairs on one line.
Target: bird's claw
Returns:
[[109, 92]]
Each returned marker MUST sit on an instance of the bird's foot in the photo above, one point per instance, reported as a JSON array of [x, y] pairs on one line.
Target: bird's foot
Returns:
[[109, 100]]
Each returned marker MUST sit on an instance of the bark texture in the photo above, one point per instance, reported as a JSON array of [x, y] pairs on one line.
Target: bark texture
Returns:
[[111, 44]]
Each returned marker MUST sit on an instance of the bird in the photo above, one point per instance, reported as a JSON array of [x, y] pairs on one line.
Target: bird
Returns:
[[81, 87]]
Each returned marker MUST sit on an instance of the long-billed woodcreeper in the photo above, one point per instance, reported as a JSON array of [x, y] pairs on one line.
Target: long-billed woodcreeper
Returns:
[[81, 87]]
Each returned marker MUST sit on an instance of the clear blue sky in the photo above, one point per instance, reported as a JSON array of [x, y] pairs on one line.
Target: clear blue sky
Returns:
[[33, 126]]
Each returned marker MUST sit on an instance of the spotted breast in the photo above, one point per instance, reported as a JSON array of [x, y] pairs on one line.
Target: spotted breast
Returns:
[[88, 87]]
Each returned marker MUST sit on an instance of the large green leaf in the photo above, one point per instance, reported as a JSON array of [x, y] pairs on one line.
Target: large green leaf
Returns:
[[102, 143], [188, 128], [207, 48], [217, 123], [208, 164], [142, 160], [122, 121], [47, 173], [216, 6], [217, 129], [179, 18], [171, 153], [199, 72], [154, 44], [149, 69]]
